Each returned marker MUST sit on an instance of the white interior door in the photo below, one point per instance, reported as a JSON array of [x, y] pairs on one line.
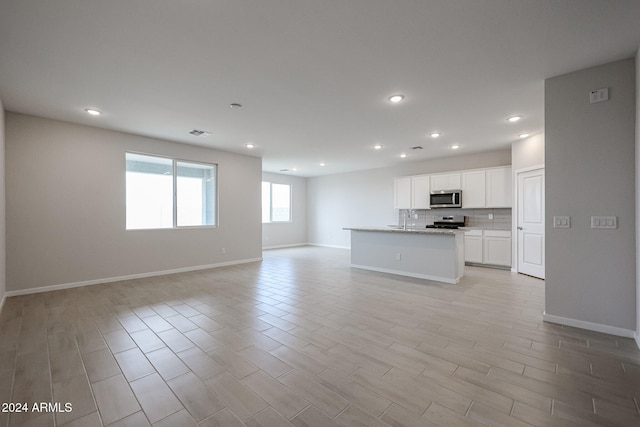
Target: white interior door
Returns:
[[531, 223]]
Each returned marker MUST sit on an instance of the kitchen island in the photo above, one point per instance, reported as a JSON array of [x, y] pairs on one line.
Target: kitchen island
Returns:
[[432, 254]]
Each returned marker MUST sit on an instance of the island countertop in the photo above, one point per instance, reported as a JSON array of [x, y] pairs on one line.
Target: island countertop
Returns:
[[394, 229]]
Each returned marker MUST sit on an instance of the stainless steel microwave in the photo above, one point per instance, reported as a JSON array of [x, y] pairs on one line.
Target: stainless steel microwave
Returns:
[[446, 199]]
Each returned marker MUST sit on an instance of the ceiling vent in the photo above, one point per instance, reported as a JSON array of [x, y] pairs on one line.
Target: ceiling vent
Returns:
[[197, 132], [417, 147]]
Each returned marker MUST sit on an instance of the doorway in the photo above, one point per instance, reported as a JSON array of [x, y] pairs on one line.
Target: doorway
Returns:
[[530, 239]]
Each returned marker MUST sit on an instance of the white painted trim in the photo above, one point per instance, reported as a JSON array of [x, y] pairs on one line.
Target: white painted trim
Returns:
[[127, 277], [4, 298], [292, 245], [514, 218], [597, 327], [408, 274], [637, 338], [329, 246]]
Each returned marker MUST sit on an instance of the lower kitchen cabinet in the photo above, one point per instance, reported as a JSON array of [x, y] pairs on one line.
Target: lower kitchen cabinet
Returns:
[[490, 247]]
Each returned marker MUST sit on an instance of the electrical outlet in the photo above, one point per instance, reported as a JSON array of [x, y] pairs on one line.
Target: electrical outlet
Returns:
[[223, 250], [398, 256]]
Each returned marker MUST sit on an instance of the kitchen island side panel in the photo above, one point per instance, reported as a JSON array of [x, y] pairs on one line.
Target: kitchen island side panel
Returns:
[[437, 257]]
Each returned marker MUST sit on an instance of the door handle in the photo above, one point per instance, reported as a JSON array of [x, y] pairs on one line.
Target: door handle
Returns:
[[520, 228]]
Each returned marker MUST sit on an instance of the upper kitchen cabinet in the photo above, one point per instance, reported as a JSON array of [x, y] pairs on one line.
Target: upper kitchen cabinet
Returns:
[[412, 192], [446, 181], [420, 192], [402, 193], [473, 189], [499, 188]]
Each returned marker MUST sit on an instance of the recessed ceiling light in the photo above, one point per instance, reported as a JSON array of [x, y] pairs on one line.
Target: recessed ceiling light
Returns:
[[235, 105], [377, 146], [523, 135], [250, 145], [514, 119], [295, 169], [323, 164], [93, 112], [396, 98], [435, 134], [403, 155], [455, 146]]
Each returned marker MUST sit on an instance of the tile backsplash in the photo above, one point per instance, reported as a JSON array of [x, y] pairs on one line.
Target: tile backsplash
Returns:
[[474, 217]]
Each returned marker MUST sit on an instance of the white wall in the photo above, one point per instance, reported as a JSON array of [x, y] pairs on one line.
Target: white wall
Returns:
[[291, 233], [366, 197], [65, 192], [589, 164], [525, 153], [3, 252]]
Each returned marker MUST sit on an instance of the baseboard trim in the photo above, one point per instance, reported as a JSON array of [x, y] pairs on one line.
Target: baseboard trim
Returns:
[[292, 245], [590, 326], [407, 274], [127, 277], [4, 298], [329, 246], [637, 338]]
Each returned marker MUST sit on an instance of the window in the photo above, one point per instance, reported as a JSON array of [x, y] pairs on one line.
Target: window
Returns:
[[167, 193], [276, 202]]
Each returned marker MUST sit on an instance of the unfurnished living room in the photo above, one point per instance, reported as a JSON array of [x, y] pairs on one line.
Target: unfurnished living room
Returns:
[[319, 213]]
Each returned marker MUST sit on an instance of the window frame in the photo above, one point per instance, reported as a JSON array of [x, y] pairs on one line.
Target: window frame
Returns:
[[174, 198], [271, 221]]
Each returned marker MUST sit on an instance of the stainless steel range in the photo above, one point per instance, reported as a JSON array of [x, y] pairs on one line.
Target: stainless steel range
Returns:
[[451, 222]]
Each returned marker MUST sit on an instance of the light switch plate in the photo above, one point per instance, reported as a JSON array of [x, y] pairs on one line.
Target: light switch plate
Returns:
[[561, 222], [607, 222]]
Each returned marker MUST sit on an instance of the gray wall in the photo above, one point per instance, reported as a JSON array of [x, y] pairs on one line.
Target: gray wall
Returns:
[[589, 161], [638, 197], [3, 252], [366, 197], [65, 192], [291, 233]]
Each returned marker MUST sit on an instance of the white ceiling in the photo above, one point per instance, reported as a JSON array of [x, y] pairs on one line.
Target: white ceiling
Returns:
[[313, 76]]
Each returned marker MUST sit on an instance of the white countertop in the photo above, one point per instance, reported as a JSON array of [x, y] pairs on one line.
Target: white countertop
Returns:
[[408, 230]]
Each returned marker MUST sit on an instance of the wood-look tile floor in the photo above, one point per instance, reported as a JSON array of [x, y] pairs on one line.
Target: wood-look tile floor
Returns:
[[302, 339]]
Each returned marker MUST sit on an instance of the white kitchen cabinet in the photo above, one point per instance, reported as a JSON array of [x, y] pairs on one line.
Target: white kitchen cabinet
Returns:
[[473, 246], [446, 181], [420, 192], [499, 188], [489, 247], [473, 189], [496, 248], [402, 193]]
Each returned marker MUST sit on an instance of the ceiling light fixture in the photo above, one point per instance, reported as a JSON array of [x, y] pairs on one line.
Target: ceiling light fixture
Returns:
[[295, 169], [396, 98], [455, 146], [93, 112], [435, 134], [523, 135], [403, 155], [250, 145], [377, 146], [514, 119], [235, 105], [323, 164]]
